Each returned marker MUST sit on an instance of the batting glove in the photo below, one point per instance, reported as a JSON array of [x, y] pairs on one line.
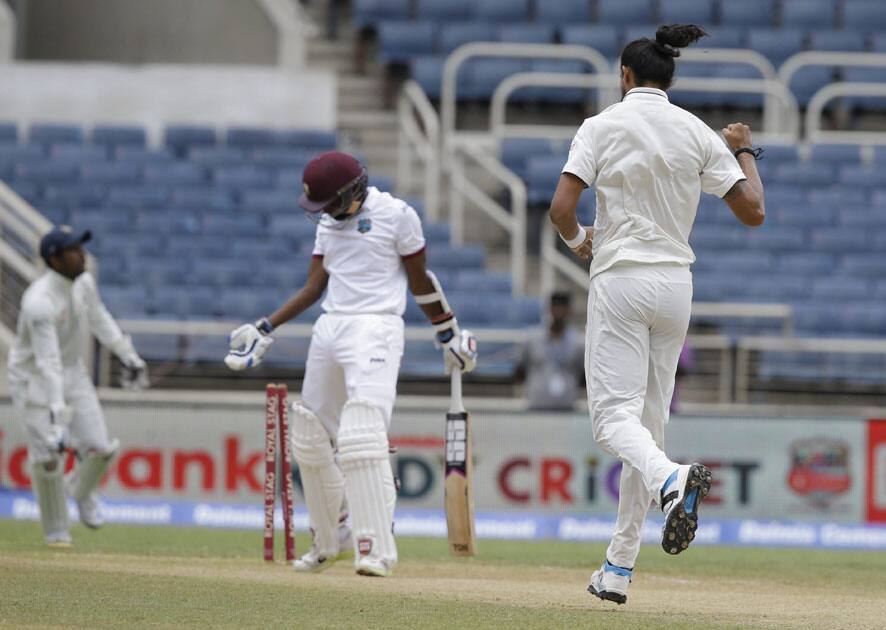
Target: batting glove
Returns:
[[248, 345]]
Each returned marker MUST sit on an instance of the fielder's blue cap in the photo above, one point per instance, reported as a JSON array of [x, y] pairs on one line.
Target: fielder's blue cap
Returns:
[[62, 237]]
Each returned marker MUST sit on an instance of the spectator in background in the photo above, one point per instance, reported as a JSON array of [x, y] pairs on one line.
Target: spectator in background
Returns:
[[552, 360]]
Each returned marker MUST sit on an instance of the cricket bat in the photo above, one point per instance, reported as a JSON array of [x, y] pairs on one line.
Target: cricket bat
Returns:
[[459, 495]]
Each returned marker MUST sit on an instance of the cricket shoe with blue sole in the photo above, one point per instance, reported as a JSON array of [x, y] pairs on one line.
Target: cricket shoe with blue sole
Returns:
[[681, 495], [611, 583]]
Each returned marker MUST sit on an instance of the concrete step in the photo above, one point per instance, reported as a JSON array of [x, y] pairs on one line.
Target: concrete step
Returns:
[[364, 119]]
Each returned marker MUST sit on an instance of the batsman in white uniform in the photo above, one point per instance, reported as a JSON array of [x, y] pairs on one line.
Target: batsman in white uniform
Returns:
[[52, 393], [369, 247], [649, 160]]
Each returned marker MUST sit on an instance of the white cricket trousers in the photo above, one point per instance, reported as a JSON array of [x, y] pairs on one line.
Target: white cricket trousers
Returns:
[[638, 315], [352, 357], [88, 431]]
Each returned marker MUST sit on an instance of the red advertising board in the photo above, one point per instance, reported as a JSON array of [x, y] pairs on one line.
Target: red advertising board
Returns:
[[876, 485]]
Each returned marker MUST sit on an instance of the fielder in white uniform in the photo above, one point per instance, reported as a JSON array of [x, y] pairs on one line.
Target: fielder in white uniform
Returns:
[[648, 160], [51, 390], [369, 247]]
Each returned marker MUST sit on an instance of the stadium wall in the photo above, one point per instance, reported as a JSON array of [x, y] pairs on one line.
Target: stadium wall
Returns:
[[799, 469]]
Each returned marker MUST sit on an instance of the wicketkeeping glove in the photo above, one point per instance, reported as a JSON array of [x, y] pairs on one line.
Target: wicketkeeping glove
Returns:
[[248, 345]]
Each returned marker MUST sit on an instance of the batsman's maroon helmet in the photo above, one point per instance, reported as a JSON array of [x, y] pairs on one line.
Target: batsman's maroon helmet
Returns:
[[332, 181]]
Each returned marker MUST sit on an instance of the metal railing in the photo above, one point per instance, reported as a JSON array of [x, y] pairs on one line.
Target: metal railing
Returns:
[[448, 90], [419, 140], [470, 158], [793, 64], [781, 114], [815, 109]]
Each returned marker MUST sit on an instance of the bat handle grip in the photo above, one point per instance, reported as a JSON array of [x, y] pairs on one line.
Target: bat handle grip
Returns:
[[455, 396]]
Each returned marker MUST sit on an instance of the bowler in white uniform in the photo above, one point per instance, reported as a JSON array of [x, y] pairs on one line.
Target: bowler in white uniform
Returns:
[[369, 247], [648, 160], [52, 393]]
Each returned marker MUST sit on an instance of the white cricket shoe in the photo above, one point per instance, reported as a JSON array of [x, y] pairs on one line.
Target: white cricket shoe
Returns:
[[681, 495], [313, 561], [373, 567], [90, 512], [611, 583], [60, 540]]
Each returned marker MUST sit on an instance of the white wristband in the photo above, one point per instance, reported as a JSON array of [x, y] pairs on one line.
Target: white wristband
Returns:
[[578, 240]]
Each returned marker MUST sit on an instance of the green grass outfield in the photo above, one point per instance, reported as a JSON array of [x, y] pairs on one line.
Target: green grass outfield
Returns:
[[151, 576]]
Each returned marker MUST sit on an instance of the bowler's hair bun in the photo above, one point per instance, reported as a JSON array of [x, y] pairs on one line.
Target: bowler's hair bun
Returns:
[[670, 37]]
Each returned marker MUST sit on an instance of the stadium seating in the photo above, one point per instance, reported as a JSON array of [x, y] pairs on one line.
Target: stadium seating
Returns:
[[184, 231]]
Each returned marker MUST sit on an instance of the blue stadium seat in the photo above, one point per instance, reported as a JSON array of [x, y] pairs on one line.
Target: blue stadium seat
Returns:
[[101, 221], [862, 176], [55, 134], [840, 240], [233, 225], [436, 233], [524, 311], [78, 153], [453, 35], [181, 137], [444, 10], [251, 137], [806, 264], [778, 288], [137, 197], [841, 41], [315, 140], [217, 156], [117, 173], [840, 288], [586, 209], [294, 226], [603, 38], [624, 12], [837, 197], [74, 195], [835, 153], [126, 301], [367, 13], [516, 151], [802, 215], [264, 248], [699, 12], [804, 174], [482, 282], [865, 75], [781, 153], [167, 222], [740, 261], [184, 302], [717, 238], [175, 174], [736, 13], [118, 135], [428, 73], [777, 239], [724, 37], [401, 41], [281, 157], [808, 80], [224, 273], [864, 15], [863, 265], [556, 94], [141, 155], [542, 175], [862, 217], [154, 271], [269, 201], [241, 177], [47, 173], [501, 10], [776, 44], [808, 13], [202, 199], [526, 33], [466, 257], [8, 133], [563, 12], [482, 76]]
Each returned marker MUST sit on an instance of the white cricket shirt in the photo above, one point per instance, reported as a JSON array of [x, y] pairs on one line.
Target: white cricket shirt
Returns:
[[57, 315], [649, 160], [364, 258]]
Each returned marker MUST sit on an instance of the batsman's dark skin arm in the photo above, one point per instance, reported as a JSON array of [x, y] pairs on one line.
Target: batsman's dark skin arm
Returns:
[[313, 288], [420, 284]]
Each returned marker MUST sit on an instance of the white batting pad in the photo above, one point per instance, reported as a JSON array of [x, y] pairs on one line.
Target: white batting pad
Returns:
[[50, 490], [321, 478], [369, 481], [90, 471]]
